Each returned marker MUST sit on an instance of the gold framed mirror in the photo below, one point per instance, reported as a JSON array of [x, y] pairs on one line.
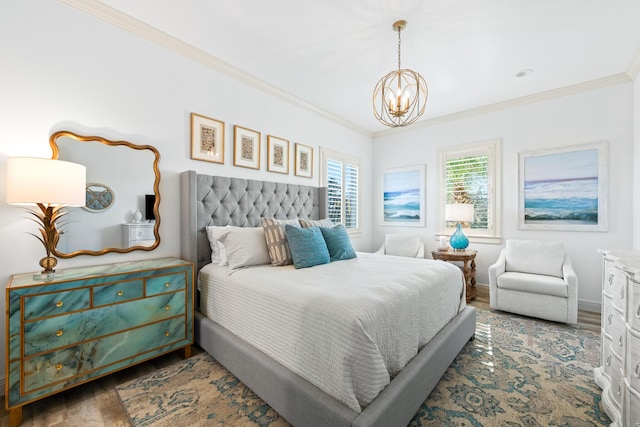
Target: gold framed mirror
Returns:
[[122, 219]]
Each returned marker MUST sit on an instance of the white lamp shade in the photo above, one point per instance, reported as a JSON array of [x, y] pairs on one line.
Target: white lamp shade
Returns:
[[459, 212], [32, 180]]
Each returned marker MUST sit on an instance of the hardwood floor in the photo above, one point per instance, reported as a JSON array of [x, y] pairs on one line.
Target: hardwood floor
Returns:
[[96, 403]]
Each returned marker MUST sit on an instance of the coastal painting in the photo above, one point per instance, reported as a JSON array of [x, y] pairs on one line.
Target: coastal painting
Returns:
[[403, 196], [564, 189]]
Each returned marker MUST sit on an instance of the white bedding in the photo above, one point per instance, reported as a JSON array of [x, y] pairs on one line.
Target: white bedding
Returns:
[[347, 327]]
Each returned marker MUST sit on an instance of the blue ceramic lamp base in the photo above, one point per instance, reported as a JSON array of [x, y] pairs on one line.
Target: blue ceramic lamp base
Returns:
[[458, 241]]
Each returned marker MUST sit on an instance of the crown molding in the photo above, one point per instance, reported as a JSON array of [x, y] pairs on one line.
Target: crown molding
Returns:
[[634, 67], [513, 103], [128, 23]]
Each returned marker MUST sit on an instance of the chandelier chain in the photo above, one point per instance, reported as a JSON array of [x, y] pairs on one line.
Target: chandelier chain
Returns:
[[399, 30]]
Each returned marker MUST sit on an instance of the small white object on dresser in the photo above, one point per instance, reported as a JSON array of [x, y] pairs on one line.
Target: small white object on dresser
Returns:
[[138, 234], [619, 372]]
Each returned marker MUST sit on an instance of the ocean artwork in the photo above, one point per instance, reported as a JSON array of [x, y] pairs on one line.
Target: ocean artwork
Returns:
[[403, 196], [562, 188]]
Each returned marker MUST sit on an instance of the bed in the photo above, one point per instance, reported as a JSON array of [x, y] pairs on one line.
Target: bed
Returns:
[[211, 200]]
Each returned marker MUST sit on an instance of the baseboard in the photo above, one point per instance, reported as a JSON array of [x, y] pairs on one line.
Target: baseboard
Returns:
[[592, 306]]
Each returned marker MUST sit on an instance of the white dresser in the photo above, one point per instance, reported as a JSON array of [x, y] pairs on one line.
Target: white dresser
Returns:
[[619, 372], [138, 234]]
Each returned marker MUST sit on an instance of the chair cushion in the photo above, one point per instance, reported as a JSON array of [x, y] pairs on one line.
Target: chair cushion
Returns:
[[535, 257], [398, 244], [533, 283]]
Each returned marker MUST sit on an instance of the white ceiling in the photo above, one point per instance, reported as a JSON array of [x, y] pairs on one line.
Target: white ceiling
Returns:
[[328, 54]]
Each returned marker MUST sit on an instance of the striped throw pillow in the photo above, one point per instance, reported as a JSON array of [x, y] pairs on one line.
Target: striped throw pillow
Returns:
[[276, 239]]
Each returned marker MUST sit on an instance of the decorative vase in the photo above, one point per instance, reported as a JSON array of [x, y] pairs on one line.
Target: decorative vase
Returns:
[[458, 240], [137, 216]]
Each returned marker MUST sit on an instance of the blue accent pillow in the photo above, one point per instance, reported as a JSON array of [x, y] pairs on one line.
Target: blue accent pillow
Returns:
[[338, 242], [307, 246]]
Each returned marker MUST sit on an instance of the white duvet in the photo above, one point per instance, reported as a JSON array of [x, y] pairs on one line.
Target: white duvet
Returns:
[[347, 327]]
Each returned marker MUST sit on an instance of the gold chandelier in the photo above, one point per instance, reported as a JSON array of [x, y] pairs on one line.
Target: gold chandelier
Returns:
[[400, 97]]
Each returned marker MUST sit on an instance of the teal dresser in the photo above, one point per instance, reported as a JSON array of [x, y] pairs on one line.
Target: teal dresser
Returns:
[[91, 321]]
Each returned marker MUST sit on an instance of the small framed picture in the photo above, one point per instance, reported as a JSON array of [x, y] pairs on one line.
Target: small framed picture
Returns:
[[278, 154], [246, 147], [207, 139], [304, 161]]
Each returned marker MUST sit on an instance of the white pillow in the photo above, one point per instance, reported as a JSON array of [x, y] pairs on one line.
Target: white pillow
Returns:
[[218, 253], [244, 246]]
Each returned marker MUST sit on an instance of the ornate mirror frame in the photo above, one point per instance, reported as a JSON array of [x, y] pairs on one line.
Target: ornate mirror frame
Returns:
[[156, 190]]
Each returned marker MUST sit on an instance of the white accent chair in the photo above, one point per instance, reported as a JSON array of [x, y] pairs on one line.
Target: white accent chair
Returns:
[[534, 278], [399, 244]]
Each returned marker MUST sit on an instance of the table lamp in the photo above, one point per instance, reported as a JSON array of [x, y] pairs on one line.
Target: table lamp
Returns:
[[51, 185], [458, 212]]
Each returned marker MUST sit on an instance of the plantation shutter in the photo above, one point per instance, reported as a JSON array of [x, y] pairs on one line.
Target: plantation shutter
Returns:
[[350, 196], [467, 181], [342, 193]]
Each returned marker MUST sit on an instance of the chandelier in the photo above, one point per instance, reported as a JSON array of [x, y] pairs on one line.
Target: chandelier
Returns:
[[400, 97]]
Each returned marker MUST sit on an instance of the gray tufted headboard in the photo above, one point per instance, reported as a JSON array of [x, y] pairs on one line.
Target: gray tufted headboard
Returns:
[[218, 200]]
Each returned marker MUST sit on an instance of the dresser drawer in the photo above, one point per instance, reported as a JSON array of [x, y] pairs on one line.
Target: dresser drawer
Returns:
[[608, 314], [633, 314], [616, 287], [63, 365], [141, 233], [633, 360], [117, 293], [607, 357], [49, 334], [617, 383], [632, 406], [165, 283], [618, 334], [56, 303]]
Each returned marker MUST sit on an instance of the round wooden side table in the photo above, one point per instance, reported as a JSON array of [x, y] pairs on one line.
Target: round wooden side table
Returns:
[[468, 260]]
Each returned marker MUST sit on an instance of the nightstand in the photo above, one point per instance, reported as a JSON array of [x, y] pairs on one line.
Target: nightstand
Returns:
[[138, 234], [468, 260]]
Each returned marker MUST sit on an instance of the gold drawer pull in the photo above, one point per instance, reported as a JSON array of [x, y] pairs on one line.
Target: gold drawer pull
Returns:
[[167, 307], [619, 391], [609, 360], [622, 293], [167, 284], [166, 333], [58, 366], [120, 293], [620, 341], [59, 304], [59, 333], [610, 279], [609, 317]]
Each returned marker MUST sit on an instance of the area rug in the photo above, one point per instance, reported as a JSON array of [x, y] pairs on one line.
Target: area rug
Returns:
[[517, 372]]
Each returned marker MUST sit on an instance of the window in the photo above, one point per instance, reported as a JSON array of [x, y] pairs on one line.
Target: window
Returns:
[[340, 174], [469, 174]]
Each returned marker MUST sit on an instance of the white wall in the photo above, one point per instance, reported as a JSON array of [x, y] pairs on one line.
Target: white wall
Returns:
[[603, 114], [62, 69]]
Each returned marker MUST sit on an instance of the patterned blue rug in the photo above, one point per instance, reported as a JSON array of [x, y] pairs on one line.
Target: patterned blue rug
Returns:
[[517, 372]]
